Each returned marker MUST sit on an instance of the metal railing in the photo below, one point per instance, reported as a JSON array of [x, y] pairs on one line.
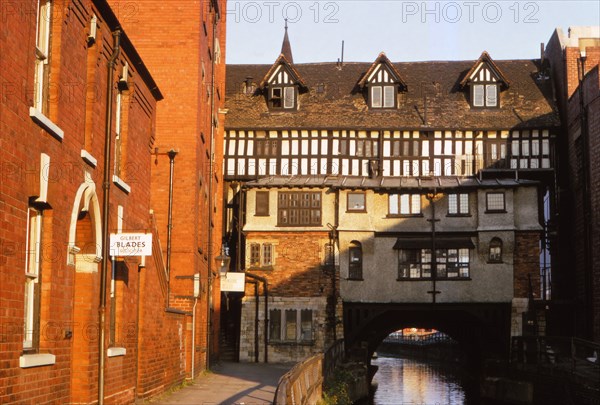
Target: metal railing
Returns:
[[578, 357], [303, 384]]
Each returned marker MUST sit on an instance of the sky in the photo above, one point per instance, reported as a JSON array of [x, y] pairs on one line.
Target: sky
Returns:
[[405, 30]]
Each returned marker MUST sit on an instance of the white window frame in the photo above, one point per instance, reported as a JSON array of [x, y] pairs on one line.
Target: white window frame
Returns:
[[289, 97], [478, 95], [491, 95], [376, 96], [32, 276], [404, 204], [42, 53], [458, 204], [388, 96]]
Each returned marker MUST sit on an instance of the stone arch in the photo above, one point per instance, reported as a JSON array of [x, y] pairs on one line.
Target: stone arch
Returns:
[[86, 200]]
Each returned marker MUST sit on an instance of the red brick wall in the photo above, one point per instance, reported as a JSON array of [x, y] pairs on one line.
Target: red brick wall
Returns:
[[526, 264], [175, 50], [297, 271], [70, 299]]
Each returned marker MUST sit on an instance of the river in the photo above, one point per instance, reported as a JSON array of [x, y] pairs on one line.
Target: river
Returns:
[[401, 381]]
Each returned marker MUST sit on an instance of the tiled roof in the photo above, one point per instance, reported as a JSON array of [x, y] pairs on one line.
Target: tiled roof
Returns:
[[384, 183], [527, 103]]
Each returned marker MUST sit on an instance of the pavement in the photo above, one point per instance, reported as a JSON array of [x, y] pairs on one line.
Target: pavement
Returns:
[[230, 384]]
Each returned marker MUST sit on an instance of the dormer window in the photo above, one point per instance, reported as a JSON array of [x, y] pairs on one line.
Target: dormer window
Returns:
[[383, 96], [485, 95], [382, 82], [283, 97], [484, 80]]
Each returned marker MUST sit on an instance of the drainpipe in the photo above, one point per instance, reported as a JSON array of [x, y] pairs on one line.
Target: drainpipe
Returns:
[[266, 334], [194, 335], [105, 212], [433, 220], [172, 153]]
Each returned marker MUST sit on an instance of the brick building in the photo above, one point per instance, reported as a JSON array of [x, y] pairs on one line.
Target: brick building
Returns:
[[72, 78], [574, 62], [185, 51], [394, 184]]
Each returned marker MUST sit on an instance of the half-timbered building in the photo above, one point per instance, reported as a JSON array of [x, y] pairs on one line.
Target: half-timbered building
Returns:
[[385, 183]]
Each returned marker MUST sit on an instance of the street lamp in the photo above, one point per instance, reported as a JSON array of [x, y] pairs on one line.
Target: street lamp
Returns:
[[223, 261]]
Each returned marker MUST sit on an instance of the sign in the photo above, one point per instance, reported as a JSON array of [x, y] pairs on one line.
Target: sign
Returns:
[[233, 282], [130, 244]]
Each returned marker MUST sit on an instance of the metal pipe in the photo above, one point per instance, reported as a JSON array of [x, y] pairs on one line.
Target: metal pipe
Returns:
[[105, 212], [172, 153], [266, 288], [194, 335]]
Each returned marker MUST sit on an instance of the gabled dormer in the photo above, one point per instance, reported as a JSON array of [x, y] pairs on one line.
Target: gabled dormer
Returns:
[[484, 81], [282, 83], [382, 83]]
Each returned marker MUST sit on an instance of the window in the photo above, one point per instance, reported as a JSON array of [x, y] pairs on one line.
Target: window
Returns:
[[33, 288], [118, 136], [495, 250], [266, 147], [383, 96], [42, 56], [485, 95], [291, 325], [458, 204], [283, 97], [262, 204], [299, 209], [355, 261], [356, 202], [404, 204], [275, 325], [329, 255], [366, 148], [495, 202], [261, 255], [417, 263]]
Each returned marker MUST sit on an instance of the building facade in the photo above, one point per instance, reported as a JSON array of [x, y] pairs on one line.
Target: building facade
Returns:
[[573, 58], [185, 51], [387, 183], [86, 154]]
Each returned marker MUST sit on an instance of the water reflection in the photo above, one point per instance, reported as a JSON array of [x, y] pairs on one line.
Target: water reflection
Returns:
[[407, 381]]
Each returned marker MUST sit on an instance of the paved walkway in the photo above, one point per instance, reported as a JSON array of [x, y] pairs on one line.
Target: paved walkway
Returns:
[[230, 384]]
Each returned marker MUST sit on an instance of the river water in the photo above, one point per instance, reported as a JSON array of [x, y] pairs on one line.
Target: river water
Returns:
[[401, 381]]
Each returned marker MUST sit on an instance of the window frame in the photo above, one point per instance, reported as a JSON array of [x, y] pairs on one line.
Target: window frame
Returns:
[[261, 205], [299, 206], [460, 212], [487, 202], [444, 261], [262, 256], [42, 56], [355, 267], [409, 211], [486, 89], [280, 320], [286, 100], [362, 208], [495, 243], [33, 281], [380, 102]]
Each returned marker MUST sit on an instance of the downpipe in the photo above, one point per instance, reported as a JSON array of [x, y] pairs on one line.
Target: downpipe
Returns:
[[105, 213]]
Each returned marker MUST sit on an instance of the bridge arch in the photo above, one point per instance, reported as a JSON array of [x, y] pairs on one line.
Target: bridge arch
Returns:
[[482, 330]]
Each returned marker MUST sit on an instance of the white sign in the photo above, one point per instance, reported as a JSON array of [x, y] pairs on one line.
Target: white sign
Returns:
[[233, 282], [130, 244]]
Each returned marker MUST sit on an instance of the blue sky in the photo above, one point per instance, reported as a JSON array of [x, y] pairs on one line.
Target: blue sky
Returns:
[[404, 30]]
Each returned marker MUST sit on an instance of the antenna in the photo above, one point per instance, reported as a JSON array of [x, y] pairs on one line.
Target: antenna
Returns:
[[342, 60]]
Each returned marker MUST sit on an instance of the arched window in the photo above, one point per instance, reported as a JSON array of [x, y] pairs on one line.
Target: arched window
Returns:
[[495, 250], [355, 256]]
